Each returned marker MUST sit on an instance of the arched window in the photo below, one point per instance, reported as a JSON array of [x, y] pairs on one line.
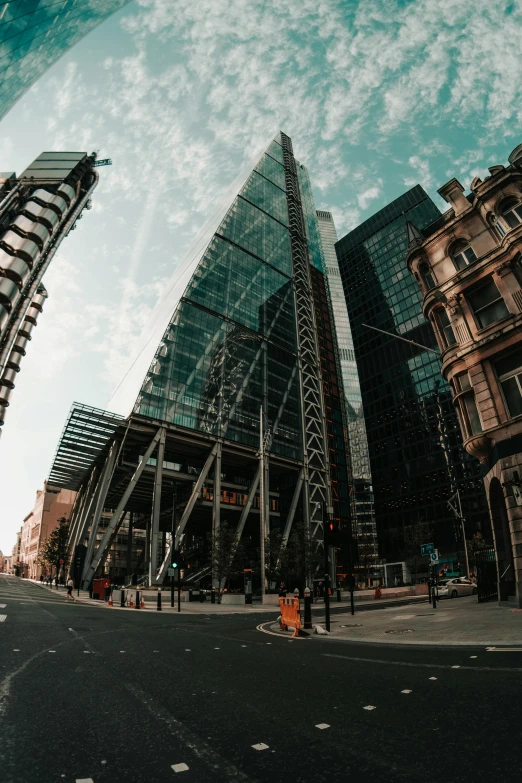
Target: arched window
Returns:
[[497, 226], [511, 211], [427, 275], [462, 254]]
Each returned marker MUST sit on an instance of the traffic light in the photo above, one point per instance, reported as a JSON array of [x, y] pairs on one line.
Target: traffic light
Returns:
[[175, 560], [331, 534]]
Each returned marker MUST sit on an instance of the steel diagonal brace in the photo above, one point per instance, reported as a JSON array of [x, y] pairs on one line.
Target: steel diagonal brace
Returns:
[[188, 511], [116, 517]]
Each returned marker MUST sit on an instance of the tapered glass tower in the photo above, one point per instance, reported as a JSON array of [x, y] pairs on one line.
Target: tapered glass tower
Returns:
[[241, 393]]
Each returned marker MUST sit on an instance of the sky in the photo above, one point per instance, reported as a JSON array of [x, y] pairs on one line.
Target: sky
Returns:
[[377, 95]]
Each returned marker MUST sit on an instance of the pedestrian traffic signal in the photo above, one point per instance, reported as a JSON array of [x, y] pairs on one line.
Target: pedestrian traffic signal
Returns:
[[331, 534], [175, 559]]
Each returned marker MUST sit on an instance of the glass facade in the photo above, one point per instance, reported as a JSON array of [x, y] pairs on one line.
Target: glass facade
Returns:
[[231, 344], [35, 33], [416, 454], [360, 460]]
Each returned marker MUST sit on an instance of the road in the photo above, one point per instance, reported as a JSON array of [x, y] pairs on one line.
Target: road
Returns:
[[94, 694]]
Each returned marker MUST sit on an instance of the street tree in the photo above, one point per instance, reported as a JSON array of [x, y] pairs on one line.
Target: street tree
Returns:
[[419, 532], [55, 549]]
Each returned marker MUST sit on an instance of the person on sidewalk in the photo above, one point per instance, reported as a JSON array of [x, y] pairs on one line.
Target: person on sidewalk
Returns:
[[70, 588]]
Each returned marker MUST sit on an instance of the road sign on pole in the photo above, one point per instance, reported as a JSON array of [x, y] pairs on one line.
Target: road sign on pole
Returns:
[[427, 549], [171, 571], [434, 557]]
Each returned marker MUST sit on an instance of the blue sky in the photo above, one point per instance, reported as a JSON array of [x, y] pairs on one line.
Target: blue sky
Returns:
[[377, 95]]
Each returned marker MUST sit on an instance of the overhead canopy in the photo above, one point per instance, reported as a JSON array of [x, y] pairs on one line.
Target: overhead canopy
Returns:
[[83, 442]]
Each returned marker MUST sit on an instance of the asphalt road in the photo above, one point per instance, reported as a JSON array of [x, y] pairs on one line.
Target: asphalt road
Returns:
[[95, 694]]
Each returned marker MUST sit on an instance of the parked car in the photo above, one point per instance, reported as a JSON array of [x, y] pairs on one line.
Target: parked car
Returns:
[[454, 588]]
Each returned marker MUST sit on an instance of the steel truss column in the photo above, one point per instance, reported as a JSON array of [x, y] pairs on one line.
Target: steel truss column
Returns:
[[101, 496], [316, 484], [90, 498], [81, 498], [293, 506], [216, 507], [115, 520], [248, 506], [156, 508], [187, 512]]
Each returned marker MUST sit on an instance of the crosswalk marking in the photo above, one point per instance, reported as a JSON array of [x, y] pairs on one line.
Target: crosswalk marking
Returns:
[[2, 606], [3, 618]]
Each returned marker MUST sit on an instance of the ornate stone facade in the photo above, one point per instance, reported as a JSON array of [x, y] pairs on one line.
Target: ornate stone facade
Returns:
[[469, 268]]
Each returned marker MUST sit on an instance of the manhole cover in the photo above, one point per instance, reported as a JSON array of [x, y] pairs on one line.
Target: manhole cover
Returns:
[[352, 625], [400, 630]]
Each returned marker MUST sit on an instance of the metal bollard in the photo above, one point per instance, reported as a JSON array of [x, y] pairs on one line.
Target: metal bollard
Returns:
[[158, 607], [307, 608], [122, 598], [137, 600], [212, 596], [338, 593]]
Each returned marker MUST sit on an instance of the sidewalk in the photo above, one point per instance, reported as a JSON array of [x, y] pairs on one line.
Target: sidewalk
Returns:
[[455, 622]]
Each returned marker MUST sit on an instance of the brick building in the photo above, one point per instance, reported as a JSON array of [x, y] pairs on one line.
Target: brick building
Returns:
[[468, 265], [51, 503]]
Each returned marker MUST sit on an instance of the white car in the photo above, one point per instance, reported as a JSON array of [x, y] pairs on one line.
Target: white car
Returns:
[[454, 588]]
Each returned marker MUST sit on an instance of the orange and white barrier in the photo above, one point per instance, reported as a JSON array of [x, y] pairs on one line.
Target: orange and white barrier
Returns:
[[290, 614]]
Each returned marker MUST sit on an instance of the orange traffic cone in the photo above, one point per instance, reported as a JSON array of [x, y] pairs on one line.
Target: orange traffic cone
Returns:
[[110, 600], [131, 599], [142, 602]]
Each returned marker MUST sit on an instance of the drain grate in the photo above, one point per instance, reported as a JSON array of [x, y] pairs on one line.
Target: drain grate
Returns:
[[400, 630]]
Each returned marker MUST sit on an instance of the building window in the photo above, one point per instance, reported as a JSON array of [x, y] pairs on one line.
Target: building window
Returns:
[[467, 405], [427, 276], [497, 226], [509, 373], [445, 327], [462, 254], [511, 211], [487, 304]]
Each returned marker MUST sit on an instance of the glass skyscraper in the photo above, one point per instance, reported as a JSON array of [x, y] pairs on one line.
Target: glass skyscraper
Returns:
[[35, 33], [360, 460], [416, 455]]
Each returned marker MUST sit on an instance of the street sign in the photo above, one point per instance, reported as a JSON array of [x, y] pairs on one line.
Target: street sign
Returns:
[[171, 571], [427, 549], [434, 557]]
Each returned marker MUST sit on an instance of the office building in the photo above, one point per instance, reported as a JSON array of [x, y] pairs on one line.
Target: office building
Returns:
[[364, 514], [240, 420], [417, 460], [35, 33], [37, 210], [50, 505], [469, 271]]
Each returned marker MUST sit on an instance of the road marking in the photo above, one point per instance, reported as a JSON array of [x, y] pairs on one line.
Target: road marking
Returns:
[[472, 656], [203, 751], [16, 650], [3, 618], [433, 678], [412, 665], [179, 767], [503, 649], [260, 746], [243, 645], [403, 617], [455, 667], [406, 691], [122, 651], [322, 725], [217, 648], [2, 606], [84, 780], [86, 652], [369, 707], [187, 649], [52, 651]]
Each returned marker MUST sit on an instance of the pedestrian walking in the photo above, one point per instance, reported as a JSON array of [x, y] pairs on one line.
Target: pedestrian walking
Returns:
[[70, 588]]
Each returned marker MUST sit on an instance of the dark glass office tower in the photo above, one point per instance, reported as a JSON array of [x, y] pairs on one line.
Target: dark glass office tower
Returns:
[[416, 456], [35, 33]]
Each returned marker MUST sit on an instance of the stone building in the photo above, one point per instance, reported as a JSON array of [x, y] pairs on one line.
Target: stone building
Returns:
[[50, 505], [468, 265]]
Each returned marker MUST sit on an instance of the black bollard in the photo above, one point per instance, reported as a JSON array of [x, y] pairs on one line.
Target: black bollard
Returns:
[[307, 608], [137, 600], [212, 596], [338, 594], [158, 607], [122, 598]]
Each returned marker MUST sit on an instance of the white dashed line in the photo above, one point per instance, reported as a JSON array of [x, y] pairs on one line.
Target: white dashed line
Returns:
[[260, 746], [243, 645], [433, 678], [369, 707], [16, 650], [455, 667], [179, 767], [187, 649], [87, 652], [322, 725], [84, 780], [406, 691], [472, 656], [122, 651], [52, 651], [217, 648]]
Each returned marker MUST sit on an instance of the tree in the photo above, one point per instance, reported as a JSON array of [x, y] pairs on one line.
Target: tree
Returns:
[[55, 548], [227, 556], [419, 532], [276, 557], [475, 544], [303, 560]]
